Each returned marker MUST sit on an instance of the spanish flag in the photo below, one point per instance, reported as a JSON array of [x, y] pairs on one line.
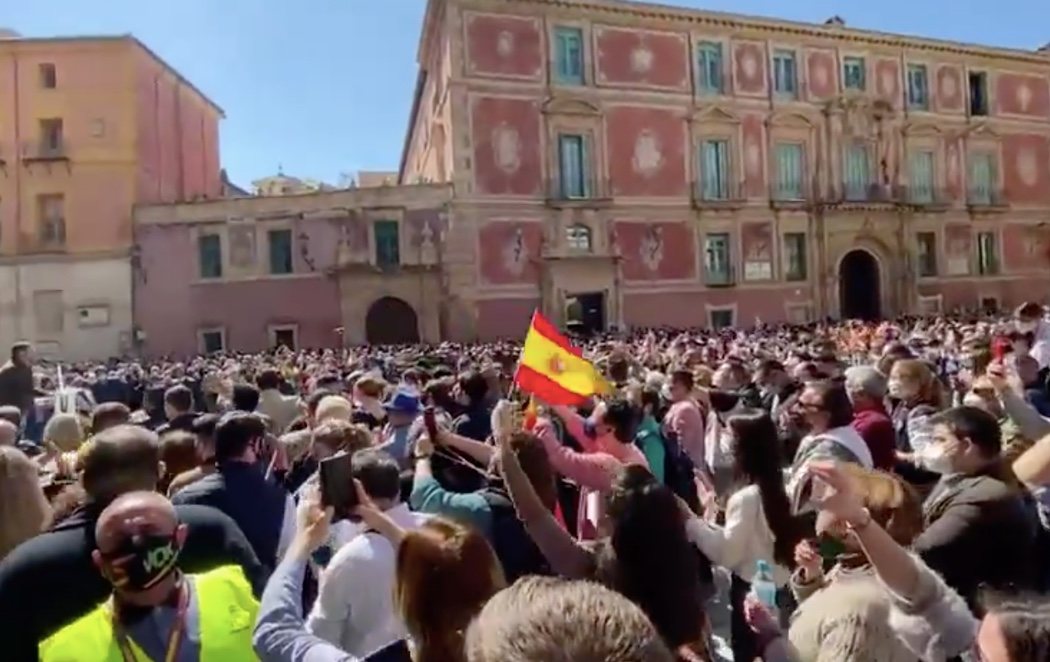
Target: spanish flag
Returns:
[[554, 371]]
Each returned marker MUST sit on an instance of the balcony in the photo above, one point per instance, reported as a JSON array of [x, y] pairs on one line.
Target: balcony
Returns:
[[45, 152], [720, 194], [789, 195], [562, 194], [988, 199], [872, 193], [724, 277], [924, 197]]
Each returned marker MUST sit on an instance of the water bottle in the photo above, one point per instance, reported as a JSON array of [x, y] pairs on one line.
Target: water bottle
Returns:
[[763, 586]]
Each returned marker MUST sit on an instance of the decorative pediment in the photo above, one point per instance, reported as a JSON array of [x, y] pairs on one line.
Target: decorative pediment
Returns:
[[569, 106], [921, 128], [790, 119], [716, 114]]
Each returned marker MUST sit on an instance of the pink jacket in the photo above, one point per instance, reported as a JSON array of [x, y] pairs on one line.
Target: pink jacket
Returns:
[[686, 424], [593, 470]]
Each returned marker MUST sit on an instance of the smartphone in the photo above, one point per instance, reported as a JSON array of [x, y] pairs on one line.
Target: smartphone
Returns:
[[337, 485], [430, 421]]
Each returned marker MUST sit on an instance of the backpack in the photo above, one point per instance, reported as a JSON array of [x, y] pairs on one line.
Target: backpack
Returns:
[[516, 551]]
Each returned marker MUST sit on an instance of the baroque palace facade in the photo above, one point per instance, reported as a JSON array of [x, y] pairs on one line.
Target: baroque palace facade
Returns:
[[650, 165]]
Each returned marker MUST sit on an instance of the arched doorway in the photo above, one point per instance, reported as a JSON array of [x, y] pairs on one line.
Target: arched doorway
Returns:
[[391, 321], [859, 286]]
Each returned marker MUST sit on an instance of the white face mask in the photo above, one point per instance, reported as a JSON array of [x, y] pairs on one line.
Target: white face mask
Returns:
[[937, 459], [1027, 327]]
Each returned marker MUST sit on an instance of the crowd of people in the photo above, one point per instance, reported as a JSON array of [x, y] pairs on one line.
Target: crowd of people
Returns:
[[852, 490]]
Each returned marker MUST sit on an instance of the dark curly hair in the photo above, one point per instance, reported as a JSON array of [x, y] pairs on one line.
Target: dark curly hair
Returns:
[[649, 559]]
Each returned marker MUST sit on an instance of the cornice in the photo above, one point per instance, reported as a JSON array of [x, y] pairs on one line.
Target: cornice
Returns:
[[726, 21]]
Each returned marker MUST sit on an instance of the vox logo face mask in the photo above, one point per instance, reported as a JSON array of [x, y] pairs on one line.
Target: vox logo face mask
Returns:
[[141, 562]]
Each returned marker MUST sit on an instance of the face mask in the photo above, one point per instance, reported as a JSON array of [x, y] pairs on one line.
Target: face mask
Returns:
[[141, 562], [1027, 327], [937, 459]]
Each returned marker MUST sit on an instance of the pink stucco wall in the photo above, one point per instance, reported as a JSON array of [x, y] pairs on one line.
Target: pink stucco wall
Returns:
[[177, 138], [172, 304]]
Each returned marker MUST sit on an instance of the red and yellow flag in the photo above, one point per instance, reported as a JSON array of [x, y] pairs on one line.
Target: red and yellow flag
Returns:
[[554, 371]]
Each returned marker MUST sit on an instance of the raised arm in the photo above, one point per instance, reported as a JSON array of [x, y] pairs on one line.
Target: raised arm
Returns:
[[477, 450], [590, 470]]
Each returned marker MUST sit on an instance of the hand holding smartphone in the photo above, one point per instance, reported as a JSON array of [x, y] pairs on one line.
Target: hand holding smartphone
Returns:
[[337, 486]]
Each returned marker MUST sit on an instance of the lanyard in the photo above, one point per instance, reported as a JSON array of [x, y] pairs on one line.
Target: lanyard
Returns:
[[175, 636]]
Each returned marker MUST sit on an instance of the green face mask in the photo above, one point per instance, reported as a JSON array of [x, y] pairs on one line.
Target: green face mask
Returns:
[[830, 548]]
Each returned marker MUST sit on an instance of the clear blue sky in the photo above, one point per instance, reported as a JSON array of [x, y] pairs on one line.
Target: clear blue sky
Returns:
[[324, 86]]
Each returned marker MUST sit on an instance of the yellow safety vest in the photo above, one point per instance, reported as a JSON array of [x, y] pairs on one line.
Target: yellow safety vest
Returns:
[[226, 610]]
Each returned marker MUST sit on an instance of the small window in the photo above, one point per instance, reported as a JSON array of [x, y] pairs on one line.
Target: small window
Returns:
[[927, 254], [93, 316], [568, 56], [284, 336], [721, 318], [987, 254], [212, 341], [209, 254], [51, 220], [918, 88], [578, 237], [48, 76], [51, 141], [388, 244], [718, 268], [280, 251], [709, 68], [978, 93], [854, 74], [785, 74], [573, 167], [796, 262]]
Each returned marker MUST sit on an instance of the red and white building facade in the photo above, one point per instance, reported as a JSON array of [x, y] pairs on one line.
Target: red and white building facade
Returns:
[[677, 167]]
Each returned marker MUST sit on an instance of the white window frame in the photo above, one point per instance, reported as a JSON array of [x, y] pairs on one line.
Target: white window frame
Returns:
[[273, 329], [203, 331]]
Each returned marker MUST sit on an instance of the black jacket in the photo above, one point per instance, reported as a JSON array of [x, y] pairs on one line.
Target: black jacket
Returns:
[[48, 581], [182, 423], [257, 505], [16, 386]]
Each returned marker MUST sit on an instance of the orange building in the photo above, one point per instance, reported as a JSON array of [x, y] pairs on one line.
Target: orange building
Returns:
[[89, 127], [633, 164]]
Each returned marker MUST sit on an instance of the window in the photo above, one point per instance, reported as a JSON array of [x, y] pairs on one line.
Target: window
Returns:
[[717, 269], [568, 55], [48, 312], [212, 340], [572, 166], [721, 318], [918, 91], [927, 253], [50, 136], [789, 172], [51, 219], [795, 259], [709, 68], [280, 251], [858, 176], [987, 254], [209, 254], [853, 73], [982, 178], [978, 93], [285, 335], [578, 237], [93, 316], [388, 244], [785, 74], [920, 171], [48, 76], [714, 170]]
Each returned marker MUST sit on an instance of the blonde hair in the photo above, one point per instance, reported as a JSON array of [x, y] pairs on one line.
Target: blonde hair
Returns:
[[919, 373], [24, 511], [64, 432], [893, 503], [446, 573], [333, 407]]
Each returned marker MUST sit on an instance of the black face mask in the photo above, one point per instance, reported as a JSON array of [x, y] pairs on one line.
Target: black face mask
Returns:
[[141, 562]]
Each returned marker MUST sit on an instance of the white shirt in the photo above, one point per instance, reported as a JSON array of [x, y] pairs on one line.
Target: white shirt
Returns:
[[1041, 347], [282, 409], [354, 608], [745, 539]]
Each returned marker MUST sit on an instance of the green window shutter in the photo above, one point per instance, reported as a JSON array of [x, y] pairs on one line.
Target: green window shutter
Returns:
[[280, 242], [387, 244], [209, 255], [568, 55]]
